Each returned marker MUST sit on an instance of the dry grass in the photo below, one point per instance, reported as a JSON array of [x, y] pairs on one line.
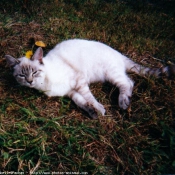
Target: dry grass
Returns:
[[40, 134]]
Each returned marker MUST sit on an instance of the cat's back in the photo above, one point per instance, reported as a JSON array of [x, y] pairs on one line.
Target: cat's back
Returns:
[[68, 48], [78, 46], [71, 43], [90, 58], [84, 55], [75, 42], [84, 50], [82, 45]]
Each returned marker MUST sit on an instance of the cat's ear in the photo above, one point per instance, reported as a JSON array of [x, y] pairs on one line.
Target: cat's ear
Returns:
[[11, 61], [38, 55]]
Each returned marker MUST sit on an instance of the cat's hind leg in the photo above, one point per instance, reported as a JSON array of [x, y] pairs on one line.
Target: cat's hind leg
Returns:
[[125, 85]]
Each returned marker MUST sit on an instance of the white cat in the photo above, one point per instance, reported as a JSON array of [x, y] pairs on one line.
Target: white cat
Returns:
[[72, 65]]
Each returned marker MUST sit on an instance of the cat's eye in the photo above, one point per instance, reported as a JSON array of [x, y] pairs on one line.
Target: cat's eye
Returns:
[[21, 75], [34, 73]]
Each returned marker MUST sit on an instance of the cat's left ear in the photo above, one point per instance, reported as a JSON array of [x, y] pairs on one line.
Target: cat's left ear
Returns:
[[38, 55], [11, 61]]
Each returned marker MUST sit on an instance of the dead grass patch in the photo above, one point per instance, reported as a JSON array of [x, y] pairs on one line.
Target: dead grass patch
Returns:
[[38, 133]]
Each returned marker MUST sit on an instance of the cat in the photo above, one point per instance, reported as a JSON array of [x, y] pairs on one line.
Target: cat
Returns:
[[72, 65]]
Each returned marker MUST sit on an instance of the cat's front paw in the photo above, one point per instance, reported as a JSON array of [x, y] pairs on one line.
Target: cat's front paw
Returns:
[[101, 109], [124, 101], [91, 111]]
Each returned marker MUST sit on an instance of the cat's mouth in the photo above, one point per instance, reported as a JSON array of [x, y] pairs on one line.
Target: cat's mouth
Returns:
[[30, 85]]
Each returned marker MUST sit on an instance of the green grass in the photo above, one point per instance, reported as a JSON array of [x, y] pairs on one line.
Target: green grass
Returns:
[[41, 134]]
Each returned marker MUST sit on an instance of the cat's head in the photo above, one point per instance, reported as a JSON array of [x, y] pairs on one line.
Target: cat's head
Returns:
[[28, 72]]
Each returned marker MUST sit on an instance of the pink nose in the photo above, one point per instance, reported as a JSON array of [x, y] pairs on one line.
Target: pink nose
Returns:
[[29, 81]]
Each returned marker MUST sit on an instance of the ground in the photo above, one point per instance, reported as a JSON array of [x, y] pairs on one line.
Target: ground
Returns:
[[41, 134]]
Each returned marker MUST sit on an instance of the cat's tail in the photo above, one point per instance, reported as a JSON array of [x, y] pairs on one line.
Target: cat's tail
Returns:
[[131, 66]]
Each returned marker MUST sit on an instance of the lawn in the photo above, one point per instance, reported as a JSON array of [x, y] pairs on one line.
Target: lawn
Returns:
[[45, 135]]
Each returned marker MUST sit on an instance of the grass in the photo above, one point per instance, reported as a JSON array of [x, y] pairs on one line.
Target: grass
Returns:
[[40, 134]]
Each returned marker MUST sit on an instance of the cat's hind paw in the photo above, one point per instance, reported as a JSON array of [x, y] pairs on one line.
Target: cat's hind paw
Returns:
[[124, 101]]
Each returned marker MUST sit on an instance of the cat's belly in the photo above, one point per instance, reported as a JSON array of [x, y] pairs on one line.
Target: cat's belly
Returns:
[[57, 90]]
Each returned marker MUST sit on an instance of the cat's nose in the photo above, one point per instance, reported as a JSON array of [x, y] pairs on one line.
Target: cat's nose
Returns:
[[29, 81]]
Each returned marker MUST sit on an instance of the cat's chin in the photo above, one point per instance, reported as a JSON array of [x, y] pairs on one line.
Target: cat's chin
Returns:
[[30, 86]]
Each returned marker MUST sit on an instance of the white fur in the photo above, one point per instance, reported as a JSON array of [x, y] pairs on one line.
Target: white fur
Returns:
[[72, 65]]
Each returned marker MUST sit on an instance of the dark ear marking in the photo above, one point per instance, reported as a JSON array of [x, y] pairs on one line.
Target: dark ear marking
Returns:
[[38, 55], [11, 61]]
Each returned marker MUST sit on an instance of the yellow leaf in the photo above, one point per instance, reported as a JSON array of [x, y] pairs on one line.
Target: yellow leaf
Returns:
[[40, 44], [29, 54]]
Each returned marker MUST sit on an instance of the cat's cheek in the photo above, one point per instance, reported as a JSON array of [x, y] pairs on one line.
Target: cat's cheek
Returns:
[[20, 81], [37, 83]]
